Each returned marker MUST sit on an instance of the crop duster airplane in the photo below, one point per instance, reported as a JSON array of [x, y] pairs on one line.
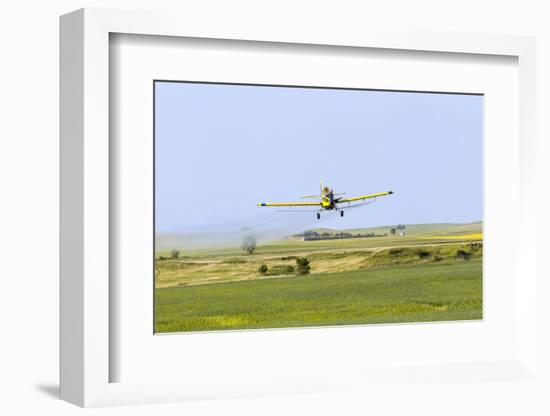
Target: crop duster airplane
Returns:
[[328, 202]]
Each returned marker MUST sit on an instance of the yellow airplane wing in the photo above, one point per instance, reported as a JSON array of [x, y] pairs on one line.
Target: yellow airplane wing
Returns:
[[363, 197], [289, 204]]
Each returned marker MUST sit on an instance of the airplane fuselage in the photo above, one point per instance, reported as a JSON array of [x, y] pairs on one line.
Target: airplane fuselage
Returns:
[[327, 201]]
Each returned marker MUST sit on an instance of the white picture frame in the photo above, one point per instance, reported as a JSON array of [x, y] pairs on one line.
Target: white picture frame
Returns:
[[86, 355]]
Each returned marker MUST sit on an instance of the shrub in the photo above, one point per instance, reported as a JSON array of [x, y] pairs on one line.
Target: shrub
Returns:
[[302, 266], [175, 254], [474, 247], [262, 269], [461, 254], [423, 254]]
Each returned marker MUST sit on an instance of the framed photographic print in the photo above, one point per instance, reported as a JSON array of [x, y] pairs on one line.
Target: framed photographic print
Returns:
[[265, 211], [324, 258]]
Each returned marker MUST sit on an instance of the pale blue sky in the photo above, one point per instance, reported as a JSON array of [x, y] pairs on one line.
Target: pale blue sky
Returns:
[[221, 149]]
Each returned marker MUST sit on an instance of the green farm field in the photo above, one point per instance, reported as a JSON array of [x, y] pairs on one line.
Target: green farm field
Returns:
[[433, 273]]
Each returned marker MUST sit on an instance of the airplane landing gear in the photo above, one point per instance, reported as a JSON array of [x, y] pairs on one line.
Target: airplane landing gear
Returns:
[[341, 213], [318, 216]]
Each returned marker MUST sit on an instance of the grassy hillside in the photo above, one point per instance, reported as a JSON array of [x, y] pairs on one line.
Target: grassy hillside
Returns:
[[406, 293], [438, 229], [207, 241], [296, 245], [339, 257], [432, 273]]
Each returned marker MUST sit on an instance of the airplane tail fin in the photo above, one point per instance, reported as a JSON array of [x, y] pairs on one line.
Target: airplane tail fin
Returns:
[[315, 196]]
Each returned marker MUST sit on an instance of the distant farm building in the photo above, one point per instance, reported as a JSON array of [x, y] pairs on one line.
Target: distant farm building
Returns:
[[398, 230]]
